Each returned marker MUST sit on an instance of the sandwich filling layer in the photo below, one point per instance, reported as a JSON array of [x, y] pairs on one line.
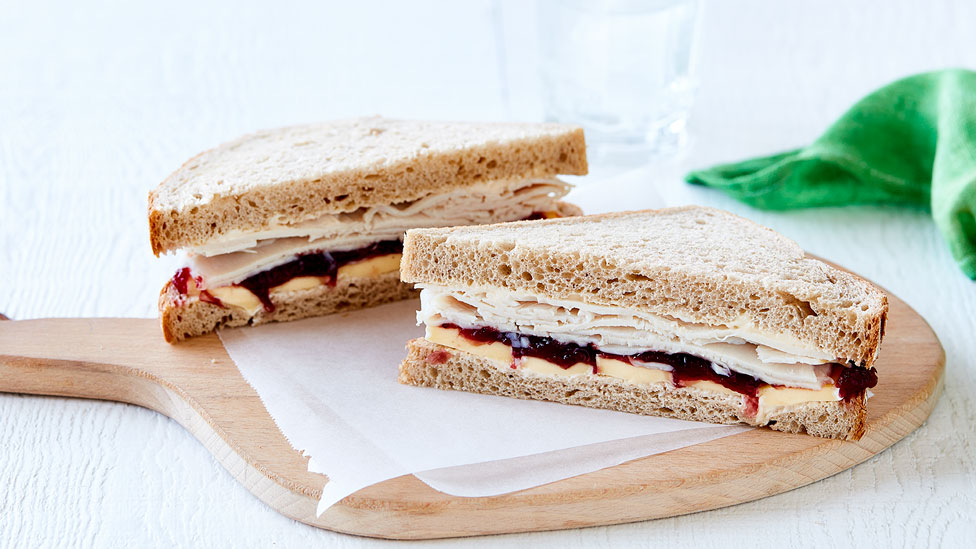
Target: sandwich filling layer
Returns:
[[539, 336], [479, 204], [243, 269], [304, 272]]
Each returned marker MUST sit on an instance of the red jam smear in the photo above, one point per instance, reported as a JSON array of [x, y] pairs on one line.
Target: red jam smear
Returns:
[[690, 368], [318, 263], [181, 281], [852, 381], [565, 355]]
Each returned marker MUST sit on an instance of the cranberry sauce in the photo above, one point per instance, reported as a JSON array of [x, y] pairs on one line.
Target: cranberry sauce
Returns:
[[181, 281], [310, 264], [851, 380], [687, 368], [323, 264], [319, 263], [565, 355]]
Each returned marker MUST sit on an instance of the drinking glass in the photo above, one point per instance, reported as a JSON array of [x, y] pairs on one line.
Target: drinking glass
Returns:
[[620, 68]]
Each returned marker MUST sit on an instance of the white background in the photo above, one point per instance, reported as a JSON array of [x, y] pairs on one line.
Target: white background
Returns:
[[99, 101]]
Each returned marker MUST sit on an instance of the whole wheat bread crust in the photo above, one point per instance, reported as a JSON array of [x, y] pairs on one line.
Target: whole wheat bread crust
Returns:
[[790, 294], [288, 175], [432, 365], [182, 318]]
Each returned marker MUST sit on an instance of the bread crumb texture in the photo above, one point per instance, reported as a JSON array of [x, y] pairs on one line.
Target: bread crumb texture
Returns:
[[691, 263], [289, 175]]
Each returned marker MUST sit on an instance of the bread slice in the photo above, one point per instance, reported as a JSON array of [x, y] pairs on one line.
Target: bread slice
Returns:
[[294, 174], [694, 264], [431, 365], [182, 317]]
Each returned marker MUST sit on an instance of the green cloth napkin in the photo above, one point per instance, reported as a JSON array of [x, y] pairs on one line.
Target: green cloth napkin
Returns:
[[910, 142]]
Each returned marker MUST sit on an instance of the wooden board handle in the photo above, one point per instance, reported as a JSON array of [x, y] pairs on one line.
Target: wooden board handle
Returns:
[[195, 383], [100, 358]]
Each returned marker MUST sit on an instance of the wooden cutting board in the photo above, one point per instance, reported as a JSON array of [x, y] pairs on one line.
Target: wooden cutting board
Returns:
[[197, 384]]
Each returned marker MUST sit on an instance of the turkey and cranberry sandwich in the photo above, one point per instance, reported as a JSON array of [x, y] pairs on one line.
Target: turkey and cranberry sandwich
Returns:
[[309, 220], [690, 313]]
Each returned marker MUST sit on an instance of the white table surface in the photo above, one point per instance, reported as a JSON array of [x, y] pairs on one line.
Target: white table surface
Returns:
[[99, 101]]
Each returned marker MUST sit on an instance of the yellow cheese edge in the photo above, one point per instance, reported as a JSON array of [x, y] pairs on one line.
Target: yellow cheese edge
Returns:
[[546, 368], [236, 296], [374, 266], [634, 374], [773, 397], [706, 385], [450, 337], [240, 297], [501, 354]]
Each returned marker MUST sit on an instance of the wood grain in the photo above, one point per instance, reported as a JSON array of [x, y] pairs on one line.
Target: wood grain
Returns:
[[198, 385]]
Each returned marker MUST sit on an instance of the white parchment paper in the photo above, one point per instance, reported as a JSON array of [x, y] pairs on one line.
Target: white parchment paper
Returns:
[[330, 385]]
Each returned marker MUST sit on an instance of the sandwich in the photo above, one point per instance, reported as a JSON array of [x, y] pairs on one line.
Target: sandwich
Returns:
[[309, 220], [690, 313]]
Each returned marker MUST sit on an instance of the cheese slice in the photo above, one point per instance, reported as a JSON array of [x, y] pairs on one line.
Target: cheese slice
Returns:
[[448, 337], [772, 397], [371, 267], [236, 296], [633, 374], [544, 367], [706, 385]]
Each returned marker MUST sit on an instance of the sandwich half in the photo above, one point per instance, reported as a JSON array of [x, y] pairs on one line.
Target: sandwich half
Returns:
[[309, 220], [691, 313]]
